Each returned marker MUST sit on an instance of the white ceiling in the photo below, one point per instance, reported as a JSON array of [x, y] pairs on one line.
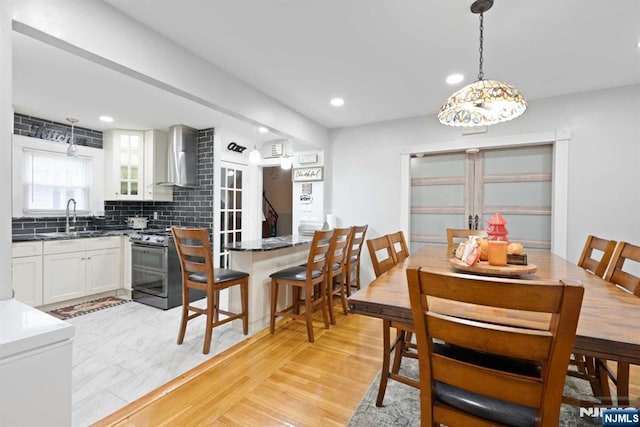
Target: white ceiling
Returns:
[[387, 58]]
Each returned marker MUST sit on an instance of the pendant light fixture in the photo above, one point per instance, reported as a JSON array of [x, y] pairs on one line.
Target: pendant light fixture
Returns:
[[72, 149], [484, 102], [254, 156]]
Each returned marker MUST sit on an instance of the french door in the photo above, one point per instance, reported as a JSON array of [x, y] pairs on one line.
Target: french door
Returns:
[[464, 189], [233, 200]]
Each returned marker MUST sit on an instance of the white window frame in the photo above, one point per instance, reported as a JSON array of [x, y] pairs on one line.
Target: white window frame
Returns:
[[95, 169]]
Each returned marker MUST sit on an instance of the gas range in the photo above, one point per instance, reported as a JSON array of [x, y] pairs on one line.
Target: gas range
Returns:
[[152, 237]]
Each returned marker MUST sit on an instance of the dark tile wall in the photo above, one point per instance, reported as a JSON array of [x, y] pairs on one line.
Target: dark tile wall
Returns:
[[30, 126], [190, 208]]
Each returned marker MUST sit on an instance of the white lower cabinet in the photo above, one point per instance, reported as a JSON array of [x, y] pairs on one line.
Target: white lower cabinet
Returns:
[[80, 267], [26, 272]]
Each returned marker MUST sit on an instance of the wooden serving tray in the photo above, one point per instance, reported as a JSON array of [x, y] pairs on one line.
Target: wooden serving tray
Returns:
[[483, 267]]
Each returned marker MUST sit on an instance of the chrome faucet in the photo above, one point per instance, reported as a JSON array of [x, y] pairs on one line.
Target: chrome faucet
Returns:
[[67, 229]]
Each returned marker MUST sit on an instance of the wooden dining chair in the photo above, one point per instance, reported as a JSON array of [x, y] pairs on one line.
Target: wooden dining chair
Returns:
[[619, 274], [382, 258], [356, 242], [454, 235], [198, 273], [595, 258], [310, 278], [399, 248], [338, 269], [480, 371]]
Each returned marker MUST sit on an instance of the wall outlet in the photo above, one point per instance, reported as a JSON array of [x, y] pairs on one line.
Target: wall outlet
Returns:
[[155, 215]]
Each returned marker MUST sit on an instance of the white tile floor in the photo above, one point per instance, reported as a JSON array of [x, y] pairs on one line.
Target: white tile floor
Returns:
[[123, 352]]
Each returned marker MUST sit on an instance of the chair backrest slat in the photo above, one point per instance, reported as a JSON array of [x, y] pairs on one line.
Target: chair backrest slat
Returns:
[[356, 242], [381, 255], [194, 249], [399, 248], [616, 274], [319, 253], [455, 234], [603, 247]]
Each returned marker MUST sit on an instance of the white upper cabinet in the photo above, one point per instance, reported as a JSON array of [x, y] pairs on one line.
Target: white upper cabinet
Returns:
[[135, 162], [156, 151]]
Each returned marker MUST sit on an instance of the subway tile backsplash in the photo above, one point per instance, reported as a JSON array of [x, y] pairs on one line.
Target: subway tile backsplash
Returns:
[[190, 207]]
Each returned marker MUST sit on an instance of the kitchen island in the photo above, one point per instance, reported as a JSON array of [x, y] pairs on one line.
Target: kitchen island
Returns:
[[260, 258]]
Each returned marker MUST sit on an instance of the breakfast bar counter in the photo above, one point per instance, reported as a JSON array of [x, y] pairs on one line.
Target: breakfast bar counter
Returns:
[[260, 258]]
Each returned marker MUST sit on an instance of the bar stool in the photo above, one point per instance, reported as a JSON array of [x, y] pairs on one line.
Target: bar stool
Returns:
[[338, 269], [196, 261], [356, 241], [311, 278]]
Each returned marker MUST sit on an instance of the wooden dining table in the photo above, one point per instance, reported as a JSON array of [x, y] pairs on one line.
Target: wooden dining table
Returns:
[[609, 324]]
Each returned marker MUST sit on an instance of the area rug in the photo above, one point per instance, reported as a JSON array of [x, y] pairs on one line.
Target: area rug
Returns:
[[87, 307], [402, 403]]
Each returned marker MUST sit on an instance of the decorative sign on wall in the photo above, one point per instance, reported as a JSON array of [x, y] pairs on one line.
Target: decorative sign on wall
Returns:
[[307, 158], [307, 188], [50, 134], [308, 174], [233, 146], [306, 199]]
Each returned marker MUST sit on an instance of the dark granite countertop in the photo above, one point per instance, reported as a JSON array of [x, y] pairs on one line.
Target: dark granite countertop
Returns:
[[269, 244], [61, 235]]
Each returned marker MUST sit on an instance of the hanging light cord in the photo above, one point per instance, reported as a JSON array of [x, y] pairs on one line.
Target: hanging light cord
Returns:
[[480, 72]]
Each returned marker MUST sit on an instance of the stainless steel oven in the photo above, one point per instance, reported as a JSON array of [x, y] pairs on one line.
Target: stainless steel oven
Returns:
[[155, 271]]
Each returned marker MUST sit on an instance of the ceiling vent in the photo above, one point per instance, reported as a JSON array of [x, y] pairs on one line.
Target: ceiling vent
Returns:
[[277, 150]]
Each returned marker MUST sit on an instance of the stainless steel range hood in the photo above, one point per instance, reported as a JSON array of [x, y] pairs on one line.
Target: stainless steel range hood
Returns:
[[183, 157]]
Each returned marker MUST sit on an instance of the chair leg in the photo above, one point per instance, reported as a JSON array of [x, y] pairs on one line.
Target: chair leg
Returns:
[[274, 302], [329, 295], [208, 331], [308, 311], [185, 314], [399, 347], [244, 296], [344, 284], [386, 350], [324, 308], [216, 306]]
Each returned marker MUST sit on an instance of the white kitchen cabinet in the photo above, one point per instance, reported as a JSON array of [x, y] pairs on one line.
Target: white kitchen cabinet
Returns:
[[126, 263], [26, 269], [135, 162], [78, 267], [156, 152], [35, 367]]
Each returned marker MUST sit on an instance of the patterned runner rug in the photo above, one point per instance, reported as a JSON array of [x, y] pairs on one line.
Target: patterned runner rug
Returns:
[[402, 403], [86, 307]]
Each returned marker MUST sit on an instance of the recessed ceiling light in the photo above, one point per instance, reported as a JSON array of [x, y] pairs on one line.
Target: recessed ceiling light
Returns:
[[337, 102], [263, 129], [107, 119], [455, 78]]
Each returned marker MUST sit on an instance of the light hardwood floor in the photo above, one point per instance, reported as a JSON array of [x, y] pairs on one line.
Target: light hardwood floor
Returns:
[[278, 379]]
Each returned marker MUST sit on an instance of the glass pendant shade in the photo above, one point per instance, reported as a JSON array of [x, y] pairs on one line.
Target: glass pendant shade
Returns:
[[481, 103], [72, 149], [254, 156], [286, 163]]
